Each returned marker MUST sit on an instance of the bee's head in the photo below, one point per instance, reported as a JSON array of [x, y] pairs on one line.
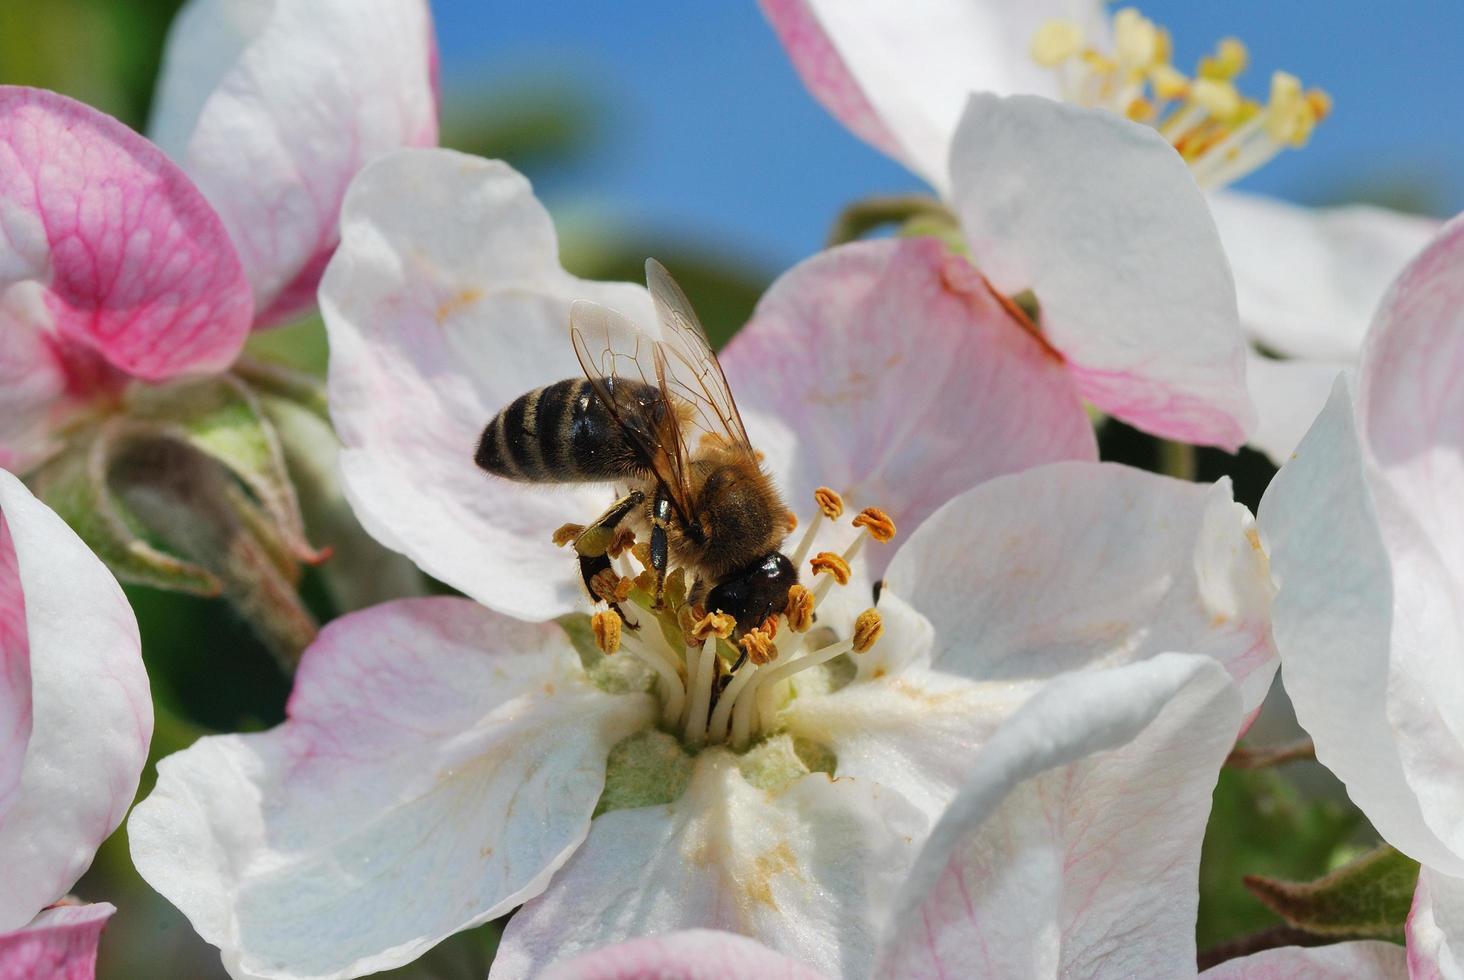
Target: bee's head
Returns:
[[756, 592]]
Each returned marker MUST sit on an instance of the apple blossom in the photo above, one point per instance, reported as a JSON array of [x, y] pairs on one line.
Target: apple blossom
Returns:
[[900, 77], [75, 722], [1364, 534], [443, 763]]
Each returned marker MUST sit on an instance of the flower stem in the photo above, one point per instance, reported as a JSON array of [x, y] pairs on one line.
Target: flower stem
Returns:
[[1271, 937], [1243, 757], [862, 217], [1177, 459]]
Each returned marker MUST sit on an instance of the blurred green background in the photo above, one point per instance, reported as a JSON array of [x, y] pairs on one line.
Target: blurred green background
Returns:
[[751, 176]]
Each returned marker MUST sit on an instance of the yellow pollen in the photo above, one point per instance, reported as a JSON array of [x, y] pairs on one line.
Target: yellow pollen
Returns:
[[835, 565], [646, 581], [610, 587], [1221, 133], [829, 502], [567, 533], [1056, 41], [759, 647], [792, 521], [641, 551], [800, 609], [713, 624], [606, 627], [877, 523], [623, 541], [867, 630]]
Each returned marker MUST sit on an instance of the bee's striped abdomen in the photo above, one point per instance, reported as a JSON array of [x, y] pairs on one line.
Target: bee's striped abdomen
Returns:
[[562, 433]]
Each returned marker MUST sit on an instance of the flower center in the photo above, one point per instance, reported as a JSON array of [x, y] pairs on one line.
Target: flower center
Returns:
[[1222, 134], [719, 684]]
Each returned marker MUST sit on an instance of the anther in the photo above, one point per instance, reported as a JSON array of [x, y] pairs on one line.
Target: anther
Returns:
[[610, 587], [867, 630], [829, 502], [877, 523], [567, 533], [623, 541], [800, 609], [759, 647], [606, 627], [792, 520], [641, 552], [835, 565], [1056, 41], [713, 624]]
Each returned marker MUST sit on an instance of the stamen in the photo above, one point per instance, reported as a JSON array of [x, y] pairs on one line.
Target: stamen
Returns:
[[608, 586], [868, 628], [878, 523], [832, 564], [759, 646], [673, 691], [703, 676], [714, 625], [829, 503], [792, 520], [769, 680], [1220, 133], [800, 609], [567, 533], [641, 551], [717, 727], [606, 627], [623, 541]]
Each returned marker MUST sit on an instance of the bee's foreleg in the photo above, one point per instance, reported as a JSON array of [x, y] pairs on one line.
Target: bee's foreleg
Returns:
[[660, 523], [595, 540]]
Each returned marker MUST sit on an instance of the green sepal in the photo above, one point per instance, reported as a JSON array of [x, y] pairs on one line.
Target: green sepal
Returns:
[[872, 213], [1369, 897], [76, 485]]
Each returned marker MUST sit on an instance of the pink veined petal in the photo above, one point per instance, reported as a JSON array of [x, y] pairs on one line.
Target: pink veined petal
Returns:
[[109, 256], [1436, 928], [1368, 619], [1072, 566], [1307, 280], [1074, 848], [445, 302], [91, 710], [1371, 960], [58, 944], [438, 764], [272, 106], [696, 954], [902, 380], [898, 75], [1100, 218], [15, 676]]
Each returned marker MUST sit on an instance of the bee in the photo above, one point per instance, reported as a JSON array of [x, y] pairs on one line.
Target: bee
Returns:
[[654, 417]]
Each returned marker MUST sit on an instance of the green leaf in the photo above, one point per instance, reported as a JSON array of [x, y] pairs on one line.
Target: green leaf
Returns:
[[1369, 897]]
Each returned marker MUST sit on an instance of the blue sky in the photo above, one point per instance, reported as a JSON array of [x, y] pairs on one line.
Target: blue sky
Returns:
[[706, 132]]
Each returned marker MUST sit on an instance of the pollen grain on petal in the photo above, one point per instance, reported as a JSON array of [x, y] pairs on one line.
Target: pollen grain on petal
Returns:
[[829, 502], [877, 523], [606, 628], [867, 630], [832, 564]]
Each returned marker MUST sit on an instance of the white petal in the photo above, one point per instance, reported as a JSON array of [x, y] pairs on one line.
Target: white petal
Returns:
[[1074, 848], [438, 764], [445, 302], [1308, 279], [1101, 219], [916, 62], [90, 708], [1077, 565], [1372, 960], [58, 944], [696, 954], [1436, 928], [807, 871], [1288, 396], [1368, 622], [272, 106]]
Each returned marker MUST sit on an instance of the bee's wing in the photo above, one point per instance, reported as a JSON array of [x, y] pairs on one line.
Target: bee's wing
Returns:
[[691, 370], [611, 348]]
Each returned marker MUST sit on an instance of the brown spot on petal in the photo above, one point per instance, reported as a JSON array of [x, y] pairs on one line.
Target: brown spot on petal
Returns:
[[765, 867], [454, 304]]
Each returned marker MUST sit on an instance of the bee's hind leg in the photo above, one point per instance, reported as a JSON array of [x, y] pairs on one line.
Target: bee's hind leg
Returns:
[[592, 565], [593, 544]]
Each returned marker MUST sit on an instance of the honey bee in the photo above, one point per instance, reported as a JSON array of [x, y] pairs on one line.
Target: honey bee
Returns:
[[655, 417]]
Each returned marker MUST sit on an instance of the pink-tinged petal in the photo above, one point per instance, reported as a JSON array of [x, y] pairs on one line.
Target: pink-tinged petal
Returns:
[[110, 254], [902, 380], [1078, 565], [1368, 620], [438, 764], [898, 74], [697, 954], [59, 944], [91, 711], [15, 674], [1101, 219], [445, 302], [1410, 399], [1436, 928], [1288, 395], [1074, 848], [272, 106], [1372, 960], [1308, 279], [807, 870]]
